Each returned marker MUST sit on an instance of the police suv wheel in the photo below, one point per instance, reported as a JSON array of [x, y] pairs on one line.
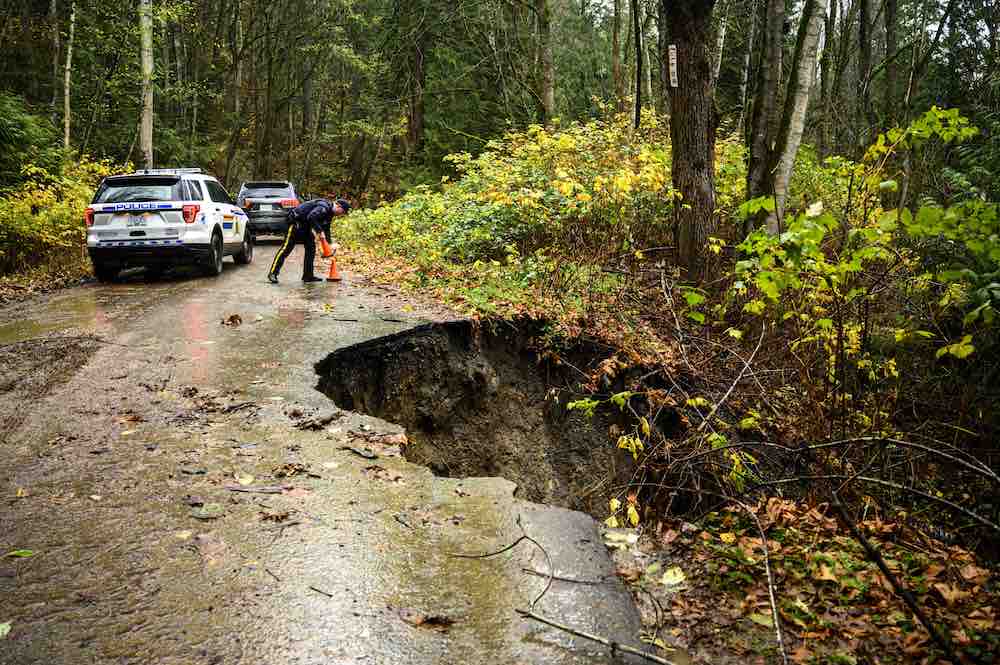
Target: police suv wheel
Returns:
[[214, 265], [245, 255], [105, 273]]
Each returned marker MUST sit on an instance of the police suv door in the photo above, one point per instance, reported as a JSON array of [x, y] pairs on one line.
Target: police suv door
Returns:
[[231, 217]]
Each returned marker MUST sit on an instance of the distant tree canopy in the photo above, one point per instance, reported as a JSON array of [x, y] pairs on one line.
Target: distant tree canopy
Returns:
[[371, 94]]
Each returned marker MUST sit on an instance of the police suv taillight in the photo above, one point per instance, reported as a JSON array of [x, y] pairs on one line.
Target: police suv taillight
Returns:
[[190, 212], [88, 217], [289, 203]]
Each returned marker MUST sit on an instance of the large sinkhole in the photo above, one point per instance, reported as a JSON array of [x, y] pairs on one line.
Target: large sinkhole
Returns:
[[476, 401]]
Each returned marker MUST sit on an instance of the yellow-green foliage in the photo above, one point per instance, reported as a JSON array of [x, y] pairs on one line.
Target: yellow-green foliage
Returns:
[[41, 220], [541, 211]]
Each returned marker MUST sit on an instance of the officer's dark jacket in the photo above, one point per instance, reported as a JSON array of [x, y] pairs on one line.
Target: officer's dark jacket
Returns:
[[313, 214]]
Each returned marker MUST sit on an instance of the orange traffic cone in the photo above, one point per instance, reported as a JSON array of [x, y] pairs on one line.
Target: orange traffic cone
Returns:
[[334, 276], [324, 246]]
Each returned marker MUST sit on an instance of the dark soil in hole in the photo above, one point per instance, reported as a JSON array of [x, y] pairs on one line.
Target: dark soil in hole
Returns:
[[477, 403]]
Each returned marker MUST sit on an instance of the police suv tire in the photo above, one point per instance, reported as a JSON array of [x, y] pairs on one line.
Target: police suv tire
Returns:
[[104, 272], [245, 255], [213, 264]]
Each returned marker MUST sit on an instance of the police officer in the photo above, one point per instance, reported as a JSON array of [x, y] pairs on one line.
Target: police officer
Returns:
[[304, 221]]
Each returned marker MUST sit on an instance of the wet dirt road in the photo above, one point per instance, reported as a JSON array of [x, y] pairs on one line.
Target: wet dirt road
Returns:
[[132, 424]]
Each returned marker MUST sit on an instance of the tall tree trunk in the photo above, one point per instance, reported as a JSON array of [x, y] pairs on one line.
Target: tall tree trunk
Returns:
[[56, 39], [237, 92], [720, 43], [664, 100], [826, 80], [146, 36], [891, 46], [865, 70], [547, 69], [616, 54], [68, 75], [647, 78], [765, 107], [415, 124], [793, 118], [745, 70], [692, 130], [637, 27]]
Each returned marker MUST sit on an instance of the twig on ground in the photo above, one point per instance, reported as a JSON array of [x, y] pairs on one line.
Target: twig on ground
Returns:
[[614, 646], [739, 377], [268, 571], [399, 518], [770, 577], [320, 591], [557, 578], [900, 590], [256, 489]]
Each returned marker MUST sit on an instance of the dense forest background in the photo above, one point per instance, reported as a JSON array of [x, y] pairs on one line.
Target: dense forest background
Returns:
[[359, 95]]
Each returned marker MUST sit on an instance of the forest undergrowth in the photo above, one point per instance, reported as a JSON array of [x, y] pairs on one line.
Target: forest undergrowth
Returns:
[[823, 408]]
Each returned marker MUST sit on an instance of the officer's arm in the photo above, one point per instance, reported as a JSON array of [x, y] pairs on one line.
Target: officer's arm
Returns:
[[316, 219]]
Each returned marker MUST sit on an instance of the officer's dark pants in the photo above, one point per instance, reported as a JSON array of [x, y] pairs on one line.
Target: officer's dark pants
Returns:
[[291, 237]]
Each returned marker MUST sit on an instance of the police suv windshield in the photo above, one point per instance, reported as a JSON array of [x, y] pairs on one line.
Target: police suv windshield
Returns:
[[135, 190]]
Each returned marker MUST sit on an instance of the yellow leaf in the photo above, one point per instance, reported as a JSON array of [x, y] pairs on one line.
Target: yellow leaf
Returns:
[[673, 577], [614, 505], [633, 515], [727, 538], [645, 426]]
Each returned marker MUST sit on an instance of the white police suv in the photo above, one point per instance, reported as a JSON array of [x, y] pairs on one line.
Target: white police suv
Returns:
[[160, 218]]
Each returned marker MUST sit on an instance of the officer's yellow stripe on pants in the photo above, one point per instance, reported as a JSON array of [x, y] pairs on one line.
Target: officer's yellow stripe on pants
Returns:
[[285, 247]]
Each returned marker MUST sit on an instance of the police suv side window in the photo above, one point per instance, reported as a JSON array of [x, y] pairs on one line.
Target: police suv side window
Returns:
[[196, 192], [217, 193]]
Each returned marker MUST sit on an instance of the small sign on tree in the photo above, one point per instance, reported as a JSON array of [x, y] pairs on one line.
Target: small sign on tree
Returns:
[[672, 58]]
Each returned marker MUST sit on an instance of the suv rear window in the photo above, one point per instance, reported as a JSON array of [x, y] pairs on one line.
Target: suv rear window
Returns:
[[267, 190], [139, 189]]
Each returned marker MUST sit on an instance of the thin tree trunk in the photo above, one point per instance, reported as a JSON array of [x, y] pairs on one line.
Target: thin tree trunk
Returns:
[[616, 53], [664, 99], [56, 47], [865, 69], [146, 34], [765, 105], [647, 79], [68, 75], [720, 43], [237, 92], [637, 27], [796, 103], [547, 73], [745, 71], [692, 131], [891, 46], [826, 80]]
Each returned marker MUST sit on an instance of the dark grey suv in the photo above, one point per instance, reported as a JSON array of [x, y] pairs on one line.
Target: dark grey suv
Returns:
[[267, 203]]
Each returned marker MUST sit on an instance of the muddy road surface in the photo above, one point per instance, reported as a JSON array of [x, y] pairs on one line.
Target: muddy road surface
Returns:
[[175, 490]]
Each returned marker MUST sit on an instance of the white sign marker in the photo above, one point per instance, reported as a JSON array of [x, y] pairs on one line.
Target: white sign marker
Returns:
[[672, 57]]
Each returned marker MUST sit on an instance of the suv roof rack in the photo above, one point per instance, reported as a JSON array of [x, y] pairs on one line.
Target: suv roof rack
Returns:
[[166, 171]]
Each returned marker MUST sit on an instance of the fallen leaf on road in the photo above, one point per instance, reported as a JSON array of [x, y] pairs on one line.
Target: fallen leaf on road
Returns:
[[673, 577], [184, 535], [289, 470], [209, 511], [244, 479], [20, 554], [439, 623], [620, 538], [4, 629], [762, 619], [234, 320]]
